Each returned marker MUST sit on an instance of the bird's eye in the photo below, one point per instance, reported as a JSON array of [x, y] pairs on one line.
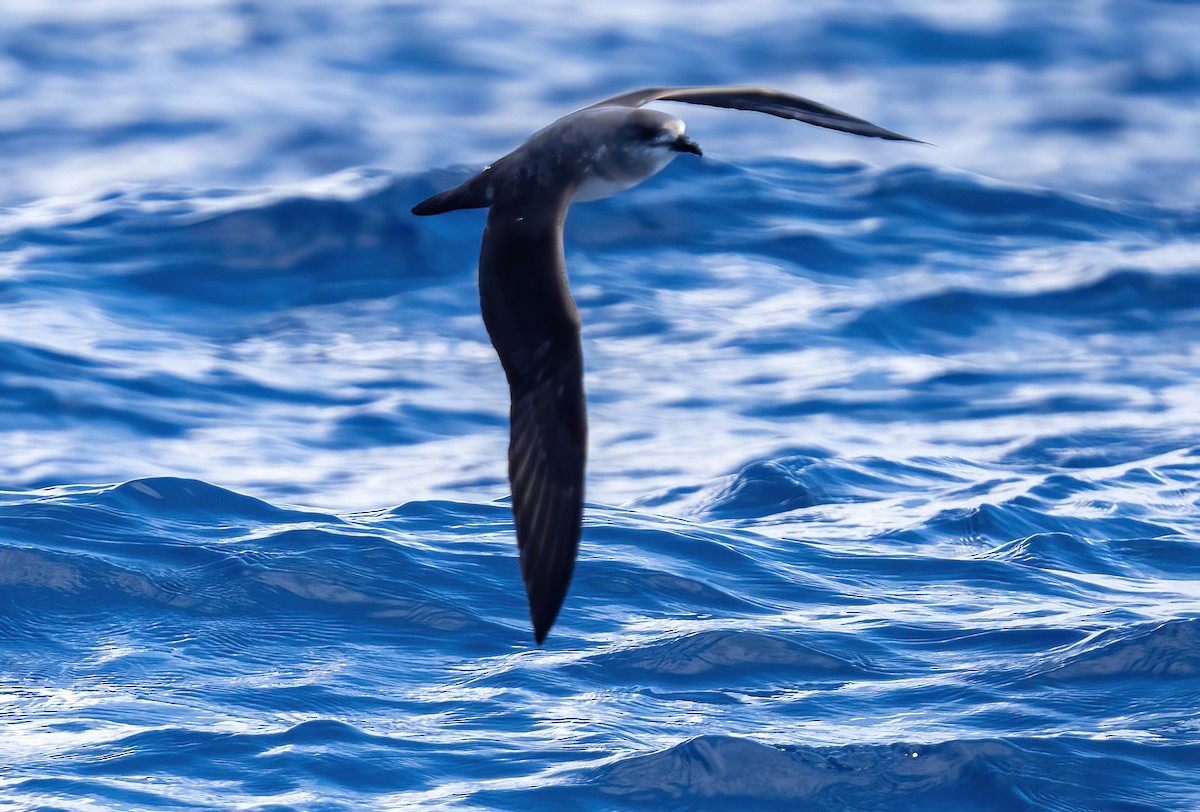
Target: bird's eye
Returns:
[[645, 132]]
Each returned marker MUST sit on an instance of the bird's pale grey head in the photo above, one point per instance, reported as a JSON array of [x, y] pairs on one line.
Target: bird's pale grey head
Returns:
[[654, 131], [632, 144]]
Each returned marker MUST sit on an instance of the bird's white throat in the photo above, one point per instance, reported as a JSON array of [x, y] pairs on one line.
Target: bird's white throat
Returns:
[[597, 187]]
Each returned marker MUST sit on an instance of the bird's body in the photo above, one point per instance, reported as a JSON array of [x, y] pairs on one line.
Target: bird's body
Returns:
[[527, 306]]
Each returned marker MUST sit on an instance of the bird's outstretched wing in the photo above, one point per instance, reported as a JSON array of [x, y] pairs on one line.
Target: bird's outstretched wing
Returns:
[[534, 326], [545, 467], [761, 100]]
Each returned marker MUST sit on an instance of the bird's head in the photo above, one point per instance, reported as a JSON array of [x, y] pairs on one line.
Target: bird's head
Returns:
[[655, 134], [625, 146]]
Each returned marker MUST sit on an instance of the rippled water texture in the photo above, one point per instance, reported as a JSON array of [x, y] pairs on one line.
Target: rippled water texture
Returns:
[[893, 473]]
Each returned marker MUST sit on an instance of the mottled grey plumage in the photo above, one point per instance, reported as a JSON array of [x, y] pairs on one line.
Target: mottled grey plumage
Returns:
[[527, 306]]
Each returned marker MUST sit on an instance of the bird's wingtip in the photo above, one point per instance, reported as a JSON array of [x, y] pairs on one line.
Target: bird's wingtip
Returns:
[[428, 207], [469, 195], [899, 137]]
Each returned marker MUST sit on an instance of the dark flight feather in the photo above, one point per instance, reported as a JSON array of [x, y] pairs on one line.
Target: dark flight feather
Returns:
[[759, 100], [534, 326]]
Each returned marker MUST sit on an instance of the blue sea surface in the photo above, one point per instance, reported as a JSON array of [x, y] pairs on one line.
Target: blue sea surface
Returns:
[[894, 468]]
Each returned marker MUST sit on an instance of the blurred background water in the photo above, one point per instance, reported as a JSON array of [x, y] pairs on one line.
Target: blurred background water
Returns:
[[895, 450]]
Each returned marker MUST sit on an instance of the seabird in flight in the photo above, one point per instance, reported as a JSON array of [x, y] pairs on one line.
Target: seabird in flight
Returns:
[[527, 307]]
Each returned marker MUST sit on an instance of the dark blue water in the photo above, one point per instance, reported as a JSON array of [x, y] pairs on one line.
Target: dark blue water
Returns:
[[895, 454]]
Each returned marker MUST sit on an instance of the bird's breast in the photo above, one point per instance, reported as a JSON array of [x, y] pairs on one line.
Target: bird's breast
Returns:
[[596, 187], [616, 172]]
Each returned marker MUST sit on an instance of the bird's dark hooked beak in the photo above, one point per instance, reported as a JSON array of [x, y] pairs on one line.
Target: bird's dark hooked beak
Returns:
[[685, 144]]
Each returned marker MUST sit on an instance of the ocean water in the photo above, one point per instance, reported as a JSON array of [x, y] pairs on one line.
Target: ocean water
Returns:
[[894, 484]]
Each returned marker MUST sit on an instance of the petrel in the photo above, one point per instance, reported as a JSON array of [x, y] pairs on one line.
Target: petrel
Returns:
[[590, 154]]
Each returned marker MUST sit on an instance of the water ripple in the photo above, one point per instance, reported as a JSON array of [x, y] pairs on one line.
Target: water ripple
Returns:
[[893, 465]]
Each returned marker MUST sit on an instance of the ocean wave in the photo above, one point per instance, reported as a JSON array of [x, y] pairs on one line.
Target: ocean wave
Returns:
[[893, 448], [713, 771], [350, 236], [722, 767], [1166, 650], [784, 483], [1122, 300], [721, 656]]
